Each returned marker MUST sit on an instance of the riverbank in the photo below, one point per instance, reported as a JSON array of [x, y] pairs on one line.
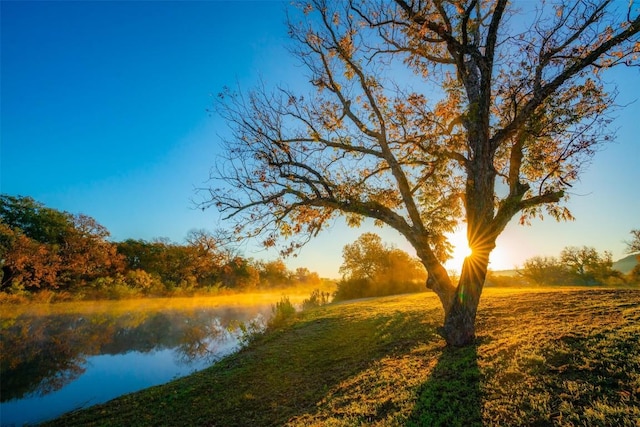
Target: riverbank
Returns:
[[564, 357]]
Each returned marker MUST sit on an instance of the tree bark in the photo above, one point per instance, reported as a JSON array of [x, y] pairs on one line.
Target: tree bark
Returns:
[[459, 323]]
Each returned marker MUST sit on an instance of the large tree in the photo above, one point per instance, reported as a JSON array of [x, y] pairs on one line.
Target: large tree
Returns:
[[424, 115]]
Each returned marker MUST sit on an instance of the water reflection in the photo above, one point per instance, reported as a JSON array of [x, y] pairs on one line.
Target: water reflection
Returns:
[[40, 355]]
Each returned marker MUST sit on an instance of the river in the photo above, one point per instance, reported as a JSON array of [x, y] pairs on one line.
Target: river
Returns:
[[60, 357]]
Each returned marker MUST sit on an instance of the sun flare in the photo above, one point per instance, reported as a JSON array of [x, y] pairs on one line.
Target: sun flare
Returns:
[[498, 260], [461, 250]]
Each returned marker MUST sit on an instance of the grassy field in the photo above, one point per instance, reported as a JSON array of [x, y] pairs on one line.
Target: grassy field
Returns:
[[543, 357]]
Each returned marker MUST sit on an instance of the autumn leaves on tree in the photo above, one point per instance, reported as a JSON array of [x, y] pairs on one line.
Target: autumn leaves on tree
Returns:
[[423, 115]]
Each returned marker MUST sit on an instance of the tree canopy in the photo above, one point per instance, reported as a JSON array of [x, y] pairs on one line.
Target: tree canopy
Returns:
[[371, 268], [423, 115]]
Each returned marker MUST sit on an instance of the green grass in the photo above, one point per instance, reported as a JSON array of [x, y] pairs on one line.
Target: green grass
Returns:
[[546, 357]]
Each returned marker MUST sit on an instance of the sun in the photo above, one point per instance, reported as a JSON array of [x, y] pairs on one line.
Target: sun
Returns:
[[461, 250], [498, 260]]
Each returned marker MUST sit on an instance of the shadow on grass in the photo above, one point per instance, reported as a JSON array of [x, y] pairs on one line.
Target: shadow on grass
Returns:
[[451, 396]]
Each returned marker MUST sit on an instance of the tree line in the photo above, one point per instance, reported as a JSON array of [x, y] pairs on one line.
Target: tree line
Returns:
[[43, 249], [46, 249], [580, 266]]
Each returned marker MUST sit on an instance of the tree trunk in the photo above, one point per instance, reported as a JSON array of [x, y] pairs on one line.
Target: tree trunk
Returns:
[[459, 324], [460, 319]]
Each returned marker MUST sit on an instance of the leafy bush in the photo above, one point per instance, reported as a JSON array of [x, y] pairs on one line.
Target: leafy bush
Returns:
[[7, 298], [18, 289], [281, 313], [247, 332], [352, 289], [634, 275], [365, 288], [316, 299], [120, 291], [139, 279], [47, 296]]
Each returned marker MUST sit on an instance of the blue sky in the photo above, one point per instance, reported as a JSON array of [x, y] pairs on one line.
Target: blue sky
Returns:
[[104, 112]]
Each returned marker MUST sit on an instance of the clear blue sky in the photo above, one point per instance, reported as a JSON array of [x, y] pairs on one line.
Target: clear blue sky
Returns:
[[104, 112]]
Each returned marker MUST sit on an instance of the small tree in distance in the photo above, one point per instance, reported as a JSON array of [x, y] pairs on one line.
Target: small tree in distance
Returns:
[[587, 266], [575, 266], [371, 268], [544, 271], [634, 247], [423, 115]]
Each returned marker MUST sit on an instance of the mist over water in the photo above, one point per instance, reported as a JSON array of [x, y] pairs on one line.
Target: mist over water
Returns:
[[56, 362]]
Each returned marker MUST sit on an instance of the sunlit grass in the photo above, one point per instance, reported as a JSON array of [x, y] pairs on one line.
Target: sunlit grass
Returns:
[[544, 357]]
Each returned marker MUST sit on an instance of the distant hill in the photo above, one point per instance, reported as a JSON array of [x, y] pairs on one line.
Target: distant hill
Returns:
[[626, 264], [507, 273]]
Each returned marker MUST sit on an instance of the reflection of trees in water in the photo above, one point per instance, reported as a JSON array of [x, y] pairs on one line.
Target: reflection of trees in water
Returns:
[[200, 341], [41, 354]]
